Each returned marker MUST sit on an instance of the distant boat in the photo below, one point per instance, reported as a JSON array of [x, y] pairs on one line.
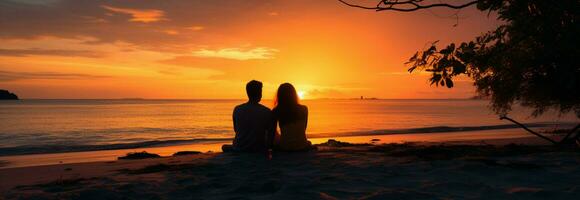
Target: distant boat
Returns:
[[367, 98], [6, 95]]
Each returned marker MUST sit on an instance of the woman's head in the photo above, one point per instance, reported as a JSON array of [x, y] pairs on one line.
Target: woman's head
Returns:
[[286, 95], [286, 107]]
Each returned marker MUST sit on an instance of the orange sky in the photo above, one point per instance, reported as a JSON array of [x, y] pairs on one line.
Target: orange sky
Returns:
[[210, 49]]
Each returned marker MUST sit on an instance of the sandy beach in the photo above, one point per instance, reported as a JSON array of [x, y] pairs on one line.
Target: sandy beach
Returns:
[[452, 170]]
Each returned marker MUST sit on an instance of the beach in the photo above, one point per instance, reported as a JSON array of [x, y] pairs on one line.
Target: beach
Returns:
[[492, 169], [397, 149]]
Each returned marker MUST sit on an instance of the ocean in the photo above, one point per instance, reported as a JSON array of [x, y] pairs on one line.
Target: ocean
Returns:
[[46, 126]]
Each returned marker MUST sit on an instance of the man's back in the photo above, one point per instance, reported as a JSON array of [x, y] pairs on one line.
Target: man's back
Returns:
[[252, 123]]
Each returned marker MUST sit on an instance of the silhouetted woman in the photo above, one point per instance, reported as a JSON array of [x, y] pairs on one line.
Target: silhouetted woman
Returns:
[[292, 119]]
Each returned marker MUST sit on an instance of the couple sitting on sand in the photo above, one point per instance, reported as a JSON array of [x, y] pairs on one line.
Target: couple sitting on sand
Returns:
[[255, 124]]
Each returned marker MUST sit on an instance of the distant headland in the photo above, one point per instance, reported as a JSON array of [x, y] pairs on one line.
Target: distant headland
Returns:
[[5, 95]]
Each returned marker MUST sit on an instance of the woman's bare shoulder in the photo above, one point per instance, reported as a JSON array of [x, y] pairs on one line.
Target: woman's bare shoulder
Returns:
[[303, 108]]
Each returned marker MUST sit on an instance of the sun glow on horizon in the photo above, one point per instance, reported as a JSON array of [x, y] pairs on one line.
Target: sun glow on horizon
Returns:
[[301, 94]]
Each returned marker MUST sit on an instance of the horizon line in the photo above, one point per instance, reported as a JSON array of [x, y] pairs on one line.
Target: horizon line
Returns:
[[466, 98]]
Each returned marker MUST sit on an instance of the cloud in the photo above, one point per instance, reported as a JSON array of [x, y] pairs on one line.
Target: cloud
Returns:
[[198, 22], [238, 53], [36, 2], [325, 93], [12, 76], [50, 52], [139, 15], [196, 28], [171, 32]]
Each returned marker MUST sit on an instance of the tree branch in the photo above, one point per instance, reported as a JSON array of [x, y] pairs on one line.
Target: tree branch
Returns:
[[529, 130], [407, 6], [570, 134]]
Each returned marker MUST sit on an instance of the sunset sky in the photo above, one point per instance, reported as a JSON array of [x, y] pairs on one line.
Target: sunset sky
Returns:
[[210, 49]]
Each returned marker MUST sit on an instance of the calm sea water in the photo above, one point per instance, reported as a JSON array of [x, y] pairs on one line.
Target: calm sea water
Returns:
[[55, 125]]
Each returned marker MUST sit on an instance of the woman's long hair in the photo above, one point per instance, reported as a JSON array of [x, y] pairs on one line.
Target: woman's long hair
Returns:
[[286, 106]]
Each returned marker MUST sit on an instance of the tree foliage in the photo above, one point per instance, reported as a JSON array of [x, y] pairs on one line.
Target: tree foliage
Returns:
[[531, 59]]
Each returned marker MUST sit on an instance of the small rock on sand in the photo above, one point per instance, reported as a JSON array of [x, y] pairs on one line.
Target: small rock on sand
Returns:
[[182, 153], [138, 155]]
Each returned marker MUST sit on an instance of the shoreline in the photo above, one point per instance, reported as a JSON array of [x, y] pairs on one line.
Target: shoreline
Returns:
[[432, 130], [498, 137]]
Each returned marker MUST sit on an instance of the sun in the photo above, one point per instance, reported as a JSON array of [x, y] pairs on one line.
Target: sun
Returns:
[[301, 94]]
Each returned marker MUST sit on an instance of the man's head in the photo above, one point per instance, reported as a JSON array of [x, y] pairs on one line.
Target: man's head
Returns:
[[254, 90]]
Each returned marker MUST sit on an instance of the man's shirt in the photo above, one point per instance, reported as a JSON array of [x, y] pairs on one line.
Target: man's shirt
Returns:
[[254, 127]]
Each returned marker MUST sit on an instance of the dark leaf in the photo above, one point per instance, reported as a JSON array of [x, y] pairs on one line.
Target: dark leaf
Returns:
[[449, 82]]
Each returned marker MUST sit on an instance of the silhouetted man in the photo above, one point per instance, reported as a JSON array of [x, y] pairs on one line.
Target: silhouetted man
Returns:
[[253, 123]]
